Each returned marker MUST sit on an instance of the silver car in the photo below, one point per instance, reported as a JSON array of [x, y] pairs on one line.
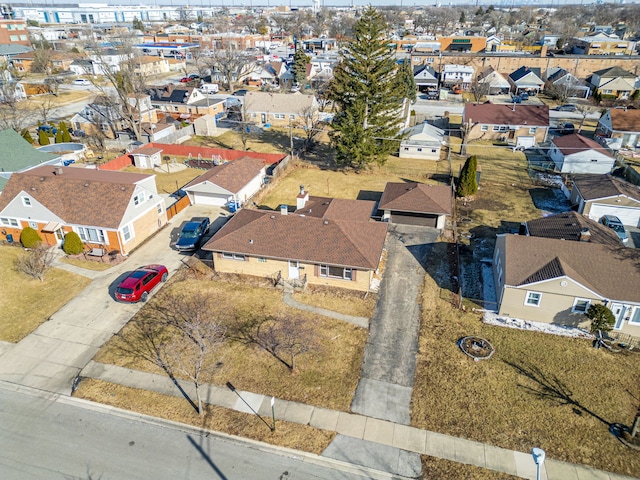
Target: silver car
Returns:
[[616, 225]]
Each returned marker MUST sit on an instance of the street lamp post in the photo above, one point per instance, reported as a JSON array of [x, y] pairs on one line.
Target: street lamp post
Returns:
[[538, 457]]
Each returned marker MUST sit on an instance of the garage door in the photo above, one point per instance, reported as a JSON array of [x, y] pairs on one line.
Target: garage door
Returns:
[[209, 199], [627, 215], [422, 219], [525, 142]]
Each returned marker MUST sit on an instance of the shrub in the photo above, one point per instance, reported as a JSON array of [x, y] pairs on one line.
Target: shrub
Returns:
[[29, 238], [35, 262], [27, 136], [72, 244], [43, 138], [66, 136], [467, 183], [59, 136], [601, 318]]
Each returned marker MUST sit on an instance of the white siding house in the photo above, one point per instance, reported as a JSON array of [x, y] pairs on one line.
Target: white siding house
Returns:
[[577, 154], [422, 141]]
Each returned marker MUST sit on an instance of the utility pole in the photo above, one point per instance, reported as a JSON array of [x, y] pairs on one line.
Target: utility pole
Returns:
[[290, 138]]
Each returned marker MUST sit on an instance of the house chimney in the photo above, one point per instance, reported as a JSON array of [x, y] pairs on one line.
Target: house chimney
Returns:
[[284, 209], [584, 235], [58, 171], [302, 198]]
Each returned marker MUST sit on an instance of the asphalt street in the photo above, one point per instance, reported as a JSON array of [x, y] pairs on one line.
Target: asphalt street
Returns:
[[49, 437]]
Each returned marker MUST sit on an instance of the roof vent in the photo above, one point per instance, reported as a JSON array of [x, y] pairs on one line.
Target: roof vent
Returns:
[[326, 222], [42, 179], [86, 184], [33, 188], [251, 241], [273, 216]]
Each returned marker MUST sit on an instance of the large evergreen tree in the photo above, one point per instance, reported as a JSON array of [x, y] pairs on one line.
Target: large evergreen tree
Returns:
[[369, 92], [300, 61]]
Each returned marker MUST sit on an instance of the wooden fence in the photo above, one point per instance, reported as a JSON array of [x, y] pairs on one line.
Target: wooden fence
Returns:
[[177, 207]]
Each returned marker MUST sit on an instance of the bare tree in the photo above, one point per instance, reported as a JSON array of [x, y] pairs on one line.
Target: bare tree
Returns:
[[181, 334], [585, 110], [479, 90], [285, 337], [36, 261], [309, 121], [128, 82], [46, 107], [233, 65]]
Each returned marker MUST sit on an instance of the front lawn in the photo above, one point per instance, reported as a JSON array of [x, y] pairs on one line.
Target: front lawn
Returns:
[[326, 376], [540, 390], [25, 303]]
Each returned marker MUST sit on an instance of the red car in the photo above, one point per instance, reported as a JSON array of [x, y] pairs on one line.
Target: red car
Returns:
[[140, 282], [185, 80]]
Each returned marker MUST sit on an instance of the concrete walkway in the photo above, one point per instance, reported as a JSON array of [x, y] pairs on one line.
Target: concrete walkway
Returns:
[[288, 299], [373, 434]]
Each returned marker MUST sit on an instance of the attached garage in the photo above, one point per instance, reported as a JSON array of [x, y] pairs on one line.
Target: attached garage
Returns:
[[599, 195], [201, 198], [421, 219], [627, 215]]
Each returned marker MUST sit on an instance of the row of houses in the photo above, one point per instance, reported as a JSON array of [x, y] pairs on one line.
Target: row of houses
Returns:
[[613, 82]]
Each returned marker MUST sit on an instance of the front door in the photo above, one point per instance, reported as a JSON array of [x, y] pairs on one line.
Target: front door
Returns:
[[618, 312], [294, 270], [263, 118]]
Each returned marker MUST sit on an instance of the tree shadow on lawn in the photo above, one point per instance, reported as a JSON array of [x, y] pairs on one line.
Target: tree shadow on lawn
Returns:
[[551, 388]]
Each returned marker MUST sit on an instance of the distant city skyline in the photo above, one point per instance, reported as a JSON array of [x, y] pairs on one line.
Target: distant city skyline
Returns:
[[308, 3]]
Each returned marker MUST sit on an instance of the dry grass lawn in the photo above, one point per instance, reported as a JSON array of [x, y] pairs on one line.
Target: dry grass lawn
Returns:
[[290, 435], [338, 300], [441, 469], [169, 182], [366, 185], [542, 390], [87, 264], [25, 303], [326, 376]]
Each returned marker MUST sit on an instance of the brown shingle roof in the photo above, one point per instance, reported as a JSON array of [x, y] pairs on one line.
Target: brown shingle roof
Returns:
[[416, 198], [612, 272], [146, 151], [592, 187], [231, 176], [575, 143], [491, 114], [625, 120], [569, 225], [304, 238], [337, 209], [79, 196]]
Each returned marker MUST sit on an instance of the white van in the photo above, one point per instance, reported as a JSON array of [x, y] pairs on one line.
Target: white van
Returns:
[[209, 88]]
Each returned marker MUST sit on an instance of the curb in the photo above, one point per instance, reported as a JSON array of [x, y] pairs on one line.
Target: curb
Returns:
[[311, 458]]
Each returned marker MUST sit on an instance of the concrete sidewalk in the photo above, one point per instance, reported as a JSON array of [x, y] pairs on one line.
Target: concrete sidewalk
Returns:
[[373, 432]]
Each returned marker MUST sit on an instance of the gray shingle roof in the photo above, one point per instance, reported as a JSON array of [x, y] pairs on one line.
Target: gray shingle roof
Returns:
[[16, 154]]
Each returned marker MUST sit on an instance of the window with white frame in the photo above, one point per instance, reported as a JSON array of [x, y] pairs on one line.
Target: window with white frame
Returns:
[[127, 233], [278, 116], [26, 201], [233, 256], [336, 272], [533, 299], [635, 316], [580, 305], [484, 128], [159, 209], [33, 225], [262, 260], [292, 117], [9, 222], [532, 130], [94, 235]]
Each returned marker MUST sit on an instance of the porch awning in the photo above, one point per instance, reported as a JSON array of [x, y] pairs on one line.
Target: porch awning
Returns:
[[185, 115], [51, 227]]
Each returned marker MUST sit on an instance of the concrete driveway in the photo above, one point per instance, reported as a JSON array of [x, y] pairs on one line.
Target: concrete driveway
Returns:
[[388, 370], [53, 355]]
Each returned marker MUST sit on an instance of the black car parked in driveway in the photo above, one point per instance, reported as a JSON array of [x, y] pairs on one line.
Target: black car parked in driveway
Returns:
[[192, 234]]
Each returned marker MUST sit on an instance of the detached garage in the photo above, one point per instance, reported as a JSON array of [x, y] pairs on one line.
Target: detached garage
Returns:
[[237, 181], [577, 154], [413, 203], [599, 195]]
